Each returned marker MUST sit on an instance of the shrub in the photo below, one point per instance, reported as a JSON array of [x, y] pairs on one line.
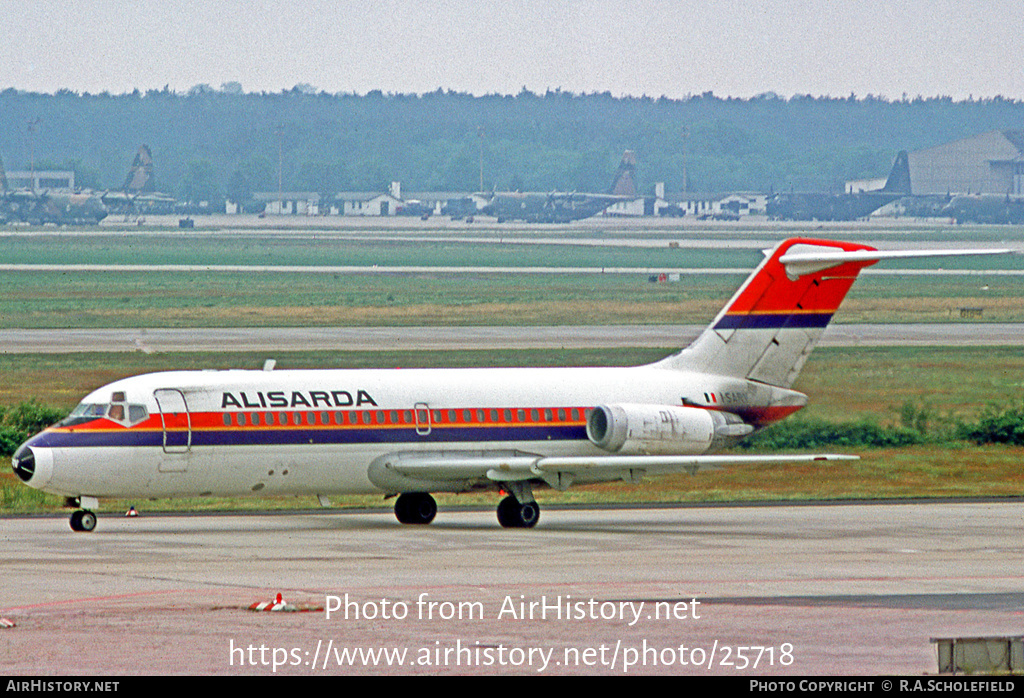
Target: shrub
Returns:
[[1001, 425], [816, 433], [22, 421]]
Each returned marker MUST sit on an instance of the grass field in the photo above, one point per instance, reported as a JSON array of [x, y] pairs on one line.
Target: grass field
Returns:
[[844, 384], [70, 299], [75, 300]]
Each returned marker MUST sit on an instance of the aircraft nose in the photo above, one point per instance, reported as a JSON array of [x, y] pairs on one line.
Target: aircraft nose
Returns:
[[33, 465], [24, 463]]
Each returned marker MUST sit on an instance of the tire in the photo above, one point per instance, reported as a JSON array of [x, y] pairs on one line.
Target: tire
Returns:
[[512, 514], [416, 508], [83, 521]]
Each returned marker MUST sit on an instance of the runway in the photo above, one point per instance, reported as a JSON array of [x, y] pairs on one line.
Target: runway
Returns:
[[805, 590], [270, 339]]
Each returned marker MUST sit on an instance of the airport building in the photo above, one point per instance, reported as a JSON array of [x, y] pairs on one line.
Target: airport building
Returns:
[[302, 203], [989, 163], [42, 179]]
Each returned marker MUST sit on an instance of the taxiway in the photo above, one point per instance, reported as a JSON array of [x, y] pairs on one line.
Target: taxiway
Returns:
[[818, 589]]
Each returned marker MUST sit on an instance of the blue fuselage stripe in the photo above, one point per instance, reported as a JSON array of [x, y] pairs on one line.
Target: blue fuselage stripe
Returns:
[[256, 436]]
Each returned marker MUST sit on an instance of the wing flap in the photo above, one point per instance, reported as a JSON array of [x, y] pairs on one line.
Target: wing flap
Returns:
[[667, 464], [517, 466]]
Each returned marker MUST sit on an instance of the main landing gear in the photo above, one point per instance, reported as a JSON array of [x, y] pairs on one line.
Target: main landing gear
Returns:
[[517, 510], [514, 514], [415, 508]]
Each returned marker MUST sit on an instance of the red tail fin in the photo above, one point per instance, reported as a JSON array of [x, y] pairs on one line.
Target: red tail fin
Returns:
[[769, 327]]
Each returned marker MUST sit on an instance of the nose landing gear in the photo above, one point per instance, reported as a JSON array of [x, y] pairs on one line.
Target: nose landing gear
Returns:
[[83, 521]]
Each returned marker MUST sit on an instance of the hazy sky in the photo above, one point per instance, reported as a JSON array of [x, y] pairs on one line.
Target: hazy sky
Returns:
[[639, 47]]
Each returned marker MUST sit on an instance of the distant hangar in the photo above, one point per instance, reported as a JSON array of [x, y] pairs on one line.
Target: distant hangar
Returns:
[[988, 163]]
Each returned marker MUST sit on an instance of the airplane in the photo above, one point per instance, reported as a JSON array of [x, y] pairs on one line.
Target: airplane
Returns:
[[985, 208], [39, 207], [409, 433], [562, 206], [137, 197], [820, 206], [138, 194]]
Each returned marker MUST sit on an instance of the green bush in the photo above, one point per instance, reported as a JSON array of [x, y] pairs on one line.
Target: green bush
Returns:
[[22, 421], [1000, 425], [817, 433]]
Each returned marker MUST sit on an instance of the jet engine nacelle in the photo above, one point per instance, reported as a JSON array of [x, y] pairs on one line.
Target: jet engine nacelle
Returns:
[[663, 429]]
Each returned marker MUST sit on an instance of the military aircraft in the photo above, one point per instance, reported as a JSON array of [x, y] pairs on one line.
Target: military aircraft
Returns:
[[45, 206], [562, 206], [985, 208], [553, 207], [410, 433], [821, 206], [138, 195]]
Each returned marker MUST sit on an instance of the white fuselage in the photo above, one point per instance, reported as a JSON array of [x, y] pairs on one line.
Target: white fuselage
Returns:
[[297, 432]]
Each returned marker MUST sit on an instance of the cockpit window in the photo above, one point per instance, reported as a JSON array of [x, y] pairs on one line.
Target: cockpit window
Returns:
[[83, 413], [119, 412], [137, 413]]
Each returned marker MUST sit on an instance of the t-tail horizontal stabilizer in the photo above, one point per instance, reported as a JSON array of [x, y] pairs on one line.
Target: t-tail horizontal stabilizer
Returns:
[[800, 260], [770, 326]]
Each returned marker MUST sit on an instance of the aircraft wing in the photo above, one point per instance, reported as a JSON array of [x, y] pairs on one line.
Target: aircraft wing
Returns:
[[561, 471]]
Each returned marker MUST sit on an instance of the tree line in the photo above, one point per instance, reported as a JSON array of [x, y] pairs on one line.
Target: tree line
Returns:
[[213, 145]]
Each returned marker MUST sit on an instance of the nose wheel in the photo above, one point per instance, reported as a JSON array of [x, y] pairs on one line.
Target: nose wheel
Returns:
[[83, 521]]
